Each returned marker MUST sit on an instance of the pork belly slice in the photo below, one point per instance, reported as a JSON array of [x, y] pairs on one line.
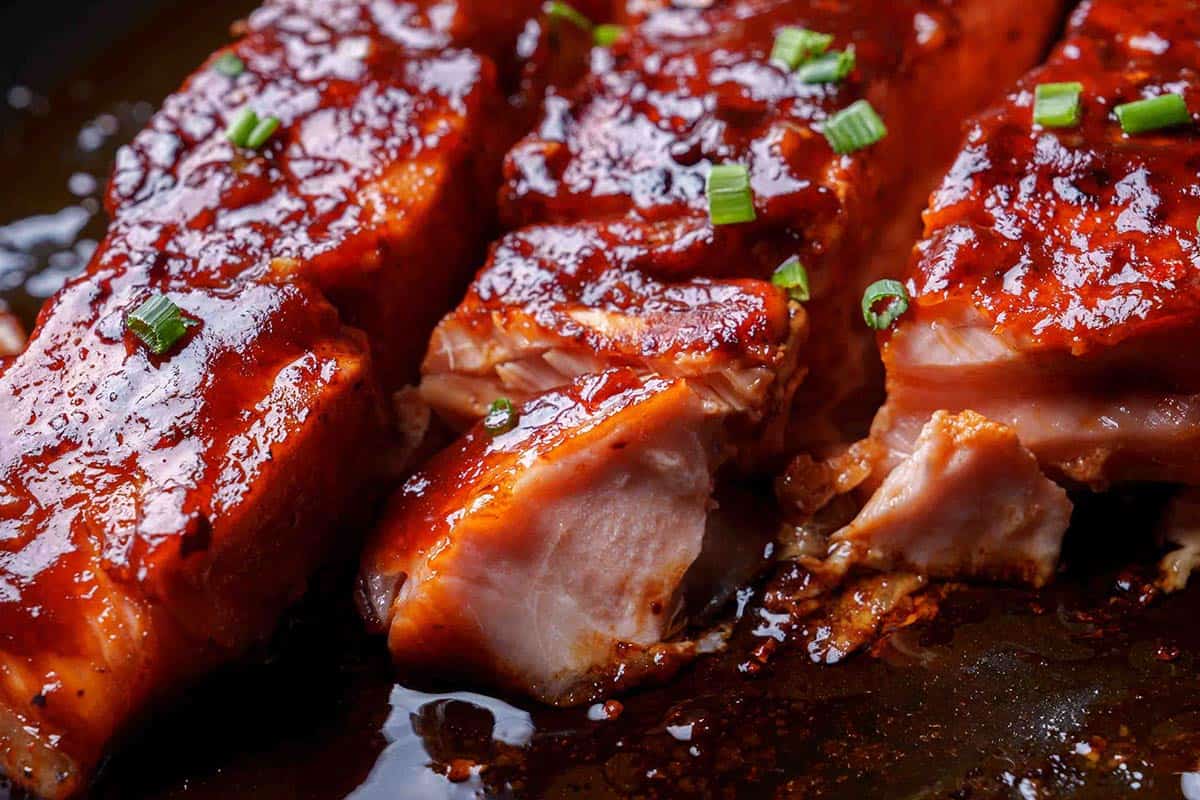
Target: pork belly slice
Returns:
[[546, 557], [969, 502], [561, 301], [1056, 289], [159, 513]]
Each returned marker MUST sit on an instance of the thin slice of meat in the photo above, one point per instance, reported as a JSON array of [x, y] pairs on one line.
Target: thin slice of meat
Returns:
[[1057, 284], [561, 301], [615, 265], [159, 512], [969, 502], [548, 555]]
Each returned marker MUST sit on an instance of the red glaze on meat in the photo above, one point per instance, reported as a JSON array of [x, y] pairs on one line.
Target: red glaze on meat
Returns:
[[158, 513], [615, 263], [1057, 287]]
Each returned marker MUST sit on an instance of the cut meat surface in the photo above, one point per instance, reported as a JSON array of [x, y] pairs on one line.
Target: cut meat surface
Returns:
[[159, 512], [969, 502], [1058, 276], [614, 264], [547, 555]]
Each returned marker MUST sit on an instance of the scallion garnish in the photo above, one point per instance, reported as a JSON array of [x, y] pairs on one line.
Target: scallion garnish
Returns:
[[897, 297], [559, 10], [1164, 111], [264, 130], [854, 127], [159, 323], [830, 67], [247, 130], [1056, 105], [501, 417], [794, 46], [604, 35], [792, 276], [730, 199], [229, 65]]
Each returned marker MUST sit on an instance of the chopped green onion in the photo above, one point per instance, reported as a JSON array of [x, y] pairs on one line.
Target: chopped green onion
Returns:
[[792, 276], [730, 199], [606, 34], [229, 65], [242, 126], [794, 46], [1056, 105], [830, 67], [158, 323], [247, 130], [854, 127], [262, 131], [1164, 111], [897, 297], [501, 417], [559, 10]]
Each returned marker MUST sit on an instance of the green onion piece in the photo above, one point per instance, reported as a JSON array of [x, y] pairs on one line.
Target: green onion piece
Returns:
[[501, 417], [730, 199], [897, 297], [606, 34], [1056, 105], [854, 127], [1155, 113], [830, 67], [792, 276], [559, 10], [262, 131], [794, 46], [242, 126], [229, 65], [1164, 111], [158, 323]]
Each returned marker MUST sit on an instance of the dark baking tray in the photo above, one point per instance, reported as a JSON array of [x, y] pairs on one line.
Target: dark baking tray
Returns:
[[1088, 689]]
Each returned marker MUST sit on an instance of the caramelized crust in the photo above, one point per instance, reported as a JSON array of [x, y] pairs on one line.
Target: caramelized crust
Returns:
[[157, 513], [1080, 238]]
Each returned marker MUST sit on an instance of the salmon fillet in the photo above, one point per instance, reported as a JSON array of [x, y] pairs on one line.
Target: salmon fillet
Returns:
[[614, 264], [1057, 281], [159, 512]]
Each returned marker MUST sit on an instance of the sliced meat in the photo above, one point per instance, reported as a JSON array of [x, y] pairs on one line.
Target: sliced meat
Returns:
[[561, 301], [969, 502], [158, 512], [1058, 275], [547, 555], [615, 265]]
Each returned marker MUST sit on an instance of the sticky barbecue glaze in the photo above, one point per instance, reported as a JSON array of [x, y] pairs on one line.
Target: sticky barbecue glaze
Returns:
[[1082, 237]]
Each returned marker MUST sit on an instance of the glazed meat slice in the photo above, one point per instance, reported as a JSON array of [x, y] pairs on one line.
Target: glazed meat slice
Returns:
[[158, 512], [616, 265], [559, 301], [1057, 287], [541, 554]]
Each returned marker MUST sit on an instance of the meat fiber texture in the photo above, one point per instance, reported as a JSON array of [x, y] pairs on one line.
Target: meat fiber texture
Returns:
[[1056, 289]]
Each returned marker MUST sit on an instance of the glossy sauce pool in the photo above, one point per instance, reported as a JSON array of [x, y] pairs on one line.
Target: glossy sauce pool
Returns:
[[1088, 689]]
